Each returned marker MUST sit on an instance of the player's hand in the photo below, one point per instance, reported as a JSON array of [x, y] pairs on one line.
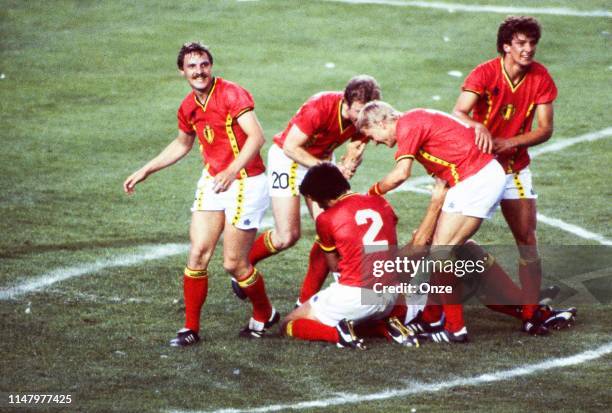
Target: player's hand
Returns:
[[483, 140], [501, 145], [223, 180], [346, 171], [130, 183]]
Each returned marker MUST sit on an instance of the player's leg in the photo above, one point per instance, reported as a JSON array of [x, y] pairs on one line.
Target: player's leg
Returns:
[[286, 232], [317, 264], [236, 246], [284, 178], [204, 232]]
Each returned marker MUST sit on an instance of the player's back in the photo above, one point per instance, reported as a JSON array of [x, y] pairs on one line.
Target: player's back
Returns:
[[356, 225]]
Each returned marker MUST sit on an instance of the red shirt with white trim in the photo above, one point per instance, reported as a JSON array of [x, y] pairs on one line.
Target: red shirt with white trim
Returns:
[[508, 110], [215, 123], [320, 118], [443, 144], [357, 221]]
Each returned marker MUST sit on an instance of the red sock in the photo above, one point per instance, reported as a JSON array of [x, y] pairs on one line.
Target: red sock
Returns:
[[316, 274], [312, 330], [511, 310], [262, 248], [530, 274], [498, 287], [451, 303], [195, 289], [254, 288], [375, 328], [399, 309]]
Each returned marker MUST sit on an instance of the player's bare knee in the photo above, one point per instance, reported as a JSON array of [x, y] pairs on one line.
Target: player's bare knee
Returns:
[[199, 256], [286, 239], [239, 269]]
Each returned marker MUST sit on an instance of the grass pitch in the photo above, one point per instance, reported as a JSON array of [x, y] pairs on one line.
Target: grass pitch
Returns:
[[90, 93]]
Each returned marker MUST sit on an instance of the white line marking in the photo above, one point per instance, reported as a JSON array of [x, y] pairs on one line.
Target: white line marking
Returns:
[[564, 143], [485, 8], [418, 388], [573, 229], [146, 253]]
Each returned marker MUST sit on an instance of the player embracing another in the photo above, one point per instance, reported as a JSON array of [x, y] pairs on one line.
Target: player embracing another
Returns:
[[323, 123], [232, 194], [500, 98], [349, 308]]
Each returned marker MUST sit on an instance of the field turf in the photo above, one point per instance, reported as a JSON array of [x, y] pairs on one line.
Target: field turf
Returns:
[[89, 92]]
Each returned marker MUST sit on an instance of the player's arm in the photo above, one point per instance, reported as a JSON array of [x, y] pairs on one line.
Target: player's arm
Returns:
[[171, 154], [395, 178], [544, 115], [255, 140], [332, 259], [424, 233], [352, 159], [463, 107], [295, 148]]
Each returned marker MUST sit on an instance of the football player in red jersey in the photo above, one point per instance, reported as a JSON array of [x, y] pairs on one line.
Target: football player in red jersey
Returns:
[[323, 123], [503, 95], [349, 223], [232, 194], [446, 147]]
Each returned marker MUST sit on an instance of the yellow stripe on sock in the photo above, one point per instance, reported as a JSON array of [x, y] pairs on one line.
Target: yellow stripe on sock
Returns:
[[195, 273], [250, 280], [289, 329]]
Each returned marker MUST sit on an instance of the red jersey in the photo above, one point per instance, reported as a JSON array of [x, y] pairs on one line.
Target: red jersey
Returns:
[[356, 221], [505, 109], [321, 119], [443, 144], [215, 123]]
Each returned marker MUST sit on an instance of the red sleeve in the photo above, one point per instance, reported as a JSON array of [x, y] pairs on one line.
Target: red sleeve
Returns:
[[547, 92], [476, 81], [308, 117], [410, 136], [183, 123], [325, 233], [238, 101]]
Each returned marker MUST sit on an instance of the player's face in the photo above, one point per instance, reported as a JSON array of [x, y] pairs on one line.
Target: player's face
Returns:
[[197, 69], [352, 113], [381, 132], [522, 49]]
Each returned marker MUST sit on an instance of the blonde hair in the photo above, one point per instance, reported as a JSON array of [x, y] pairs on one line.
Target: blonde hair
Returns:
[[374, 112]]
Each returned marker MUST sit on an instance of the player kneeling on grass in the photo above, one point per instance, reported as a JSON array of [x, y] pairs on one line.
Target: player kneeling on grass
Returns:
[[349, 222]]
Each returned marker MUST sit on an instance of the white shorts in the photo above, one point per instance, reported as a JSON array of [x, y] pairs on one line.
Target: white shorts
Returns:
[[337, 302], [478, 195], [244, 203], [284, 174], [519, 186]]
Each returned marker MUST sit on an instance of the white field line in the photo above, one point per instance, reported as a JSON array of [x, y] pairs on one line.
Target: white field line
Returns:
[[564, 143], [573, 229], [419, 388], [485, 8], [146, 253]]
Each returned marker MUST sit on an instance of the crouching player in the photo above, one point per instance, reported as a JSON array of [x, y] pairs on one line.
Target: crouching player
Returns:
[[348, 224]]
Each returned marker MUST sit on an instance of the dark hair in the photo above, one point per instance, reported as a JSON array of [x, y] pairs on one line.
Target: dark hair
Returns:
[[324, 182], [512, 25], [192, 47], [361, 88]]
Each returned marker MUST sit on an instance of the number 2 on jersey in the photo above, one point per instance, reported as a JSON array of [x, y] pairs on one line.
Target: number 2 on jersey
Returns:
[[376, 223]]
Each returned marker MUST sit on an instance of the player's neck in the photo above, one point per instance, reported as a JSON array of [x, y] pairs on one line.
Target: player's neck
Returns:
[[514, 71], [202, 95]]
